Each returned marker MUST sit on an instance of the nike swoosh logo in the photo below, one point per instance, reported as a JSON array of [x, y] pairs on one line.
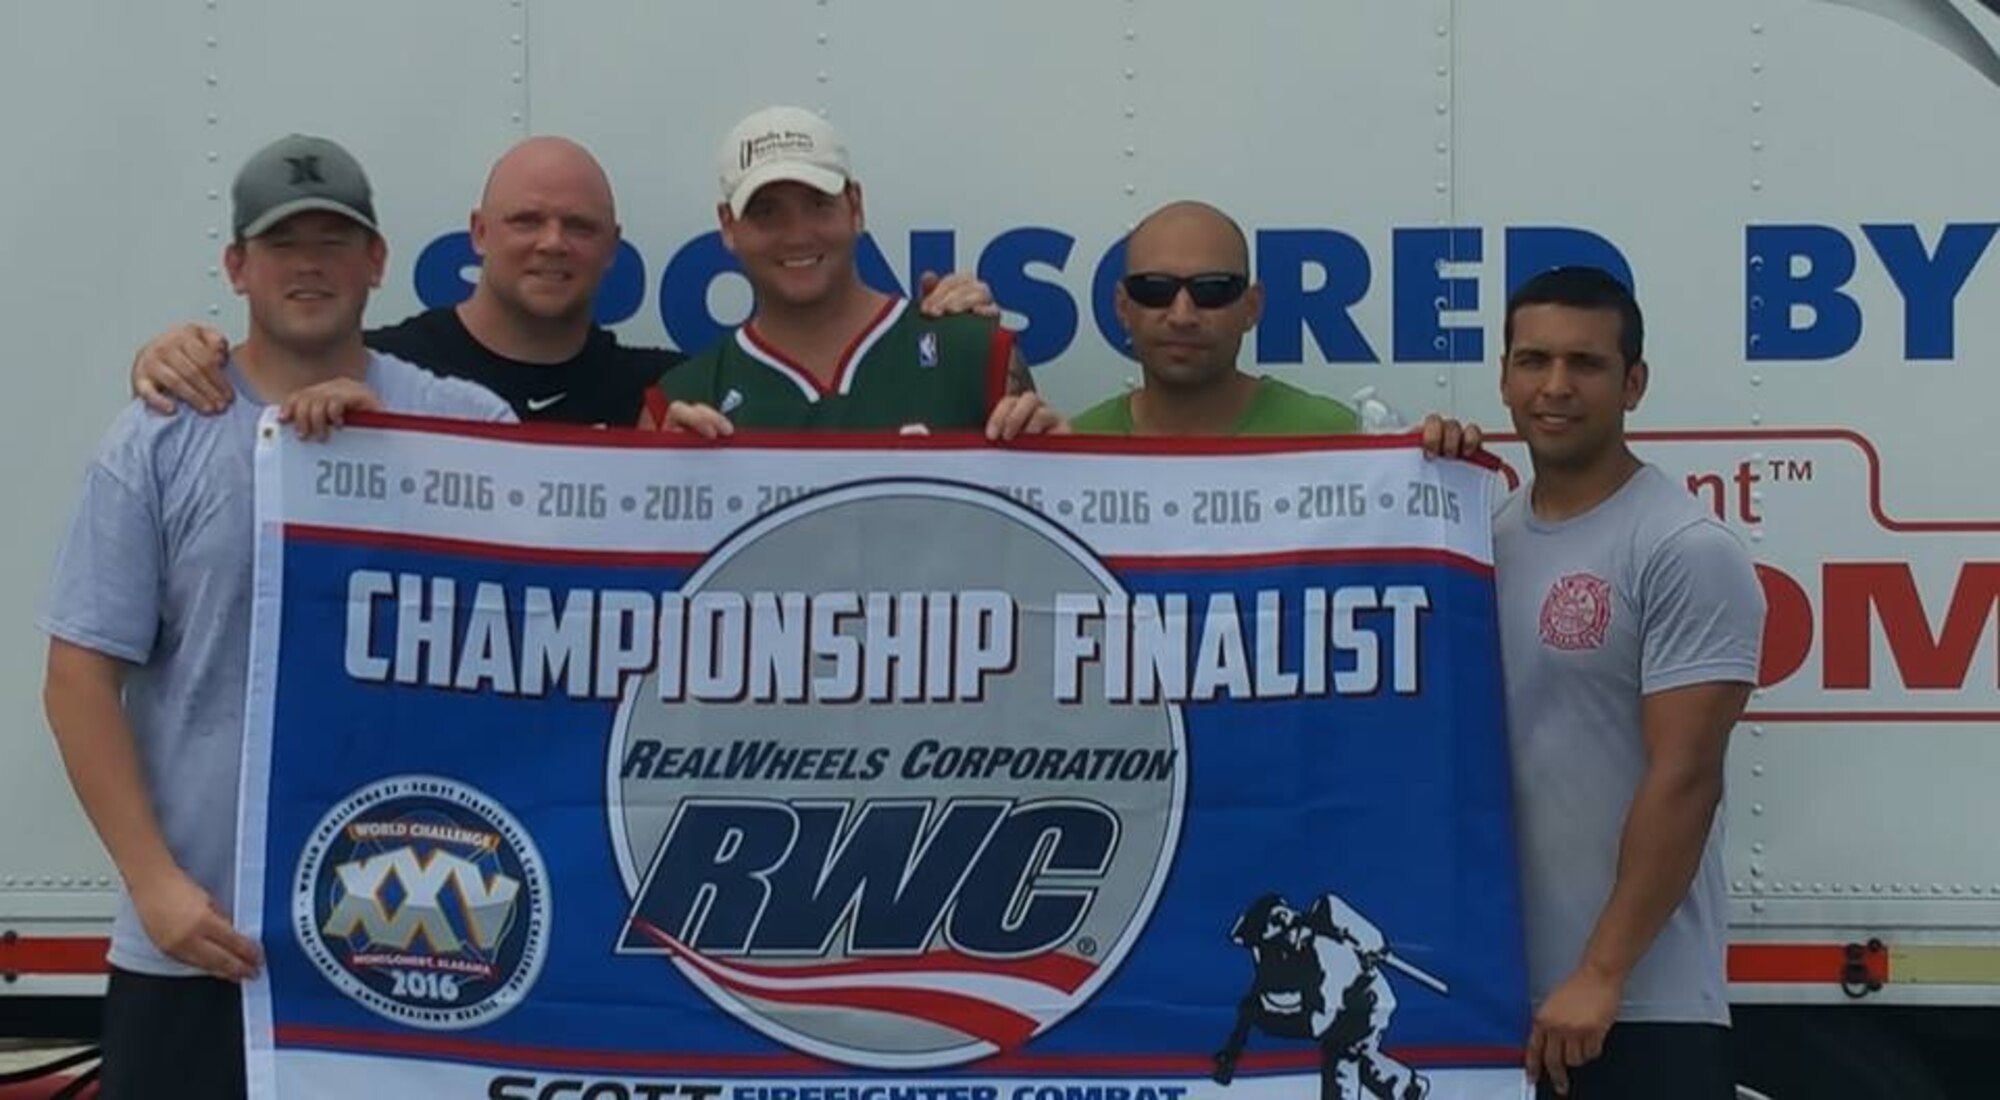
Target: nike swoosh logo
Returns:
[[537, 404]]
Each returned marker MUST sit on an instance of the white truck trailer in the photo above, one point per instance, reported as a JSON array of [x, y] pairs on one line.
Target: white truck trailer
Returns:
[[1802, 191]]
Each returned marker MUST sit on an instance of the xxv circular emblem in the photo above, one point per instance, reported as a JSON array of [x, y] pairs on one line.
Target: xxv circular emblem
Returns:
[[424, 900]]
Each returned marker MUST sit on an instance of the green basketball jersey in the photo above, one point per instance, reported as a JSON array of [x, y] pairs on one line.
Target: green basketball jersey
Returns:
[[1278, 408], [945, 373]]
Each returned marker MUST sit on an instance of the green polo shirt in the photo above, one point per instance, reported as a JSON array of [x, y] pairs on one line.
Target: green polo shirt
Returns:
[[1279, 408]]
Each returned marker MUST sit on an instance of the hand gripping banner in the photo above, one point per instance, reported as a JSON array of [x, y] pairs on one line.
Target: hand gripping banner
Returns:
[[587, 766]]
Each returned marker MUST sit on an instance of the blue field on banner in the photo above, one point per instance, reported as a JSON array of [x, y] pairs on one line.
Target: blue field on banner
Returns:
[[839, 771]]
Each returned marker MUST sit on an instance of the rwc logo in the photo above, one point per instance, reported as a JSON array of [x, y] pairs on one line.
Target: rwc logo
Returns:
[[423, 900], [915, 876]]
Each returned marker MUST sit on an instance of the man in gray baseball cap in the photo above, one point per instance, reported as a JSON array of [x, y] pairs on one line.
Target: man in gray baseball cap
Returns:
[[295, 174]]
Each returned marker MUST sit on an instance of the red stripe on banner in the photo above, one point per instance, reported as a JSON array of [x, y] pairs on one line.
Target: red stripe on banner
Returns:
[[1003, 1027], [995, 1023], [1800, 963], [1371, 555], [21, 955], [889, 440], [1301, 1058], [1057, 971], [490, 551], [536, 555], [517, 1055], [1871, 716]]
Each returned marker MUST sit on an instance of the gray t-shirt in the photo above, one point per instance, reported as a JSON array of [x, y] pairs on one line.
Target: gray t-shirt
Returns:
[[155, 571], [1643, 593]]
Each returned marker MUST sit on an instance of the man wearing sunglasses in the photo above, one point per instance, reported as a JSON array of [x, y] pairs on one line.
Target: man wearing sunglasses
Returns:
[[1187, 301]]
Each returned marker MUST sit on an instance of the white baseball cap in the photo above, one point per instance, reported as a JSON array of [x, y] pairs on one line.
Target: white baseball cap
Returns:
[[782, 143]]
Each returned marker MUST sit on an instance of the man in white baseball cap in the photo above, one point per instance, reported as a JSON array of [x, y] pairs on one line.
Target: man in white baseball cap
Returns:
[[782, 143], [822, 349]]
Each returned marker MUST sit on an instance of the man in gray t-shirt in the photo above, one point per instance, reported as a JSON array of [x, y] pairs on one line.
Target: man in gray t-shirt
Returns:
[[149, 614], [1630, 622]]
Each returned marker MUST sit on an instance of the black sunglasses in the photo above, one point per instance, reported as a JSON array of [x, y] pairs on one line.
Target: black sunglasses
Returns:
[[1208, 290]]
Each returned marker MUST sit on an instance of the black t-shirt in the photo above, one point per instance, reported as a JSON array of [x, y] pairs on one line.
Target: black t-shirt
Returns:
[[604, 384]]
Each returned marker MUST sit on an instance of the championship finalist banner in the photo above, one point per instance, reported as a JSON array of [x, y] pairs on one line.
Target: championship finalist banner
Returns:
[[587, 767]]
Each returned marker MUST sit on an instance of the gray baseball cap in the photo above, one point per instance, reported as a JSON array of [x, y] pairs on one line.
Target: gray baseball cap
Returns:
[[297, 173]]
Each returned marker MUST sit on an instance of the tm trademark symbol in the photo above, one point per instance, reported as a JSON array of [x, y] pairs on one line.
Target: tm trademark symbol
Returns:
[[1086, 946], [1790, 469]]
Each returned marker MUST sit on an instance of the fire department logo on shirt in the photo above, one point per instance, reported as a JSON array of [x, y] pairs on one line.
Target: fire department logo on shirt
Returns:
[[1576, 612]]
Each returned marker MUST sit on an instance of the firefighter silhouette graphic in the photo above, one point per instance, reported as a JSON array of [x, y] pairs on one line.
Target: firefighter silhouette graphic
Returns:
[[1319, 977]]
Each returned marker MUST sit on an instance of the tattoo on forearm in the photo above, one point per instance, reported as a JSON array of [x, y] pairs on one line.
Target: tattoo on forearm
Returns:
[[1018, 378]]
